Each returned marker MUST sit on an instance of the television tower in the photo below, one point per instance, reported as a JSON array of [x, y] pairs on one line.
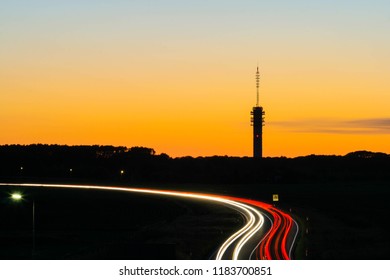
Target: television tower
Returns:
[[257, 121]]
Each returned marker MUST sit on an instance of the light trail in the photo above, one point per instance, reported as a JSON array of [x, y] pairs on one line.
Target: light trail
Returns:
[[272, 244], [249, 234], [254, 219], [294, 239]]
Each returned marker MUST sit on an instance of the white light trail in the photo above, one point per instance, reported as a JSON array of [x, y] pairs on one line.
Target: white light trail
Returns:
[[250, 233], [254, 219], [294, 240], [264, 237]]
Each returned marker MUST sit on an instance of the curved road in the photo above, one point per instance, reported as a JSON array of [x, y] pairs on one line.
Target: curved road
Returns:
[[268, 233]]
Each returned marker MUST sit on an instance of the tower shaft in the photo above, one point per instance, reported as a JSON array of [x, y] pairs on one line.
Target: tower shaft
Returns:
[[258, 123]]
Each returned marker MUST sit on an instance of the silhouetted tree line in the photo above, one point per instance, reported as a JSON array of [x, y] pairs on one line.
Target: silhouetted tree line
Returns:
[[141, 164]]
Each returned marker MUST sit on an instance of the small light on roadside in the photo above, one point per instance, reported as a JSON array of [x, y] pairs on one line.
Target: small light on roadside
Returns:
[[21, 168], [16, 196], [122, 172]]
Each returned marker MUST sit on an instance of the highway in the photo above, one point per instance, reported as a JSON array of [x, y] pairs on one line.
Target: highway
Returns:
[[278, 242], [267, 233]]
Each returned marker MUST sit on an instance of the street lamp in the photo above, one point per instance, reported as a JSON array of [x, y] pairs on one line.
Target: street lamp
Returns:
[[18, 197]]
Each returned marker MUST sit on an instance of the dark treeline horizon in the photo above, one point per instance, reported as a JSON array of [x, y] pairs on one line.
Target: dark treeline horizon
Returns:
[[143, 165]]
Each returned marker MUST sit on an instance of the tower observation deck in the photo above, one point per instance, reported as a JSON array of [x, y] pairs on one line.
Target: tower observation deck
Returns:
[[257, 121]]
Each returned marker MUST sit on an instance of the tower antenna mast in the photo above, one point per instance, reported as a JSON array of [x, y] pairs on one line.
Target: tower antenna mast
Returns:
[[257, 122], [257, 86]]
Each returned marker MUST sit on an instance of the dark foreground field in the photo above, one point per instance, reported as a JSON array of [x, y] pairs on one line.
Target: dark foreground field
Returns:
[[342, 221], [340, 202], [91, 224], [338, 221]]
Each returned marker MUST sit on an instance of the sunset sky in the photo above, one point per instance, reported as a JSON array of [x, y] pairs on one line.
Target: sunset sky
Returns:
[[179, 75]]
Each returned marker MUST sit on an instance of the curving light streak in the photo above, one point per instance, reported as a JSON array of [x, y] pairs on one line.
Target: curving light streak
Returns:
[[273, 245], [249, 234], [254, 219], [256, 250], [294, 239], [224, 247]]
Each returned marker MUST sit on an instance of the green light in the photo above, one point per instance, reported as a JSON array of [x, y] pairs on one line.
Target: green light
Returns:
[[16, 196]]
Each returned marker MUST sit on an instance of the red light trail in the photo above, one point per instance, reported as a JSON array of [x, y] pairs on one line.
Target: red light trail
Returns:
[[252, 237]]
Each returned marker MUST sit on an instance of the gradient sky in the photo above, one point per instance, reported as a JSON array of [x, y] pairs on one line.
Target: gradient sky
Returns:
[[179, 76]]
